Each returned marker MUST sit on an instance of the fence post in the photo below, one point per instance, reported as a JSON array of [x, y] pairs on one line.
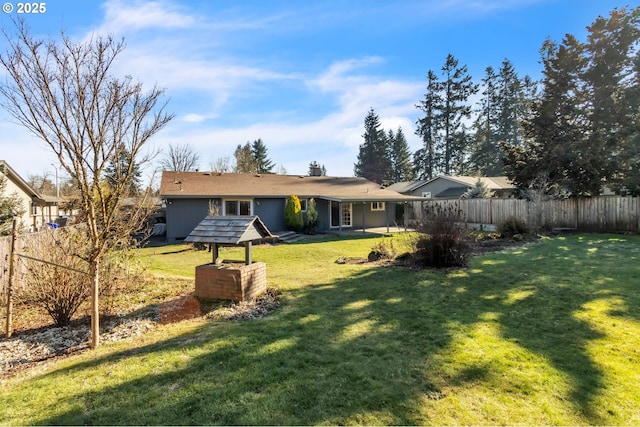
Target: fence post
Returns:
[[12, 251]]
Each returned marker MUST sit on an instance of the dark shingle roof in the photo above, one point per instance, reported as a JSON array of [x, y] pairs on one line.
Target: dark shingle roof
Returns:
[[231, 230], [226, 185]]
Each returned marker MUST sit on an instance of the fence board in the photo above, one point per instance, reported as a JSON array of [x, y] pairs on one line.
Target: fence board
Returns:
[[620, 214]]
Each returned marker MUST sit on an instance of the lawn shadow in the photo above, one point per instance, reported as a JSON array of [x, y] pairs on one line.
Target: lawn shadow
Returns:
[[352, 350]]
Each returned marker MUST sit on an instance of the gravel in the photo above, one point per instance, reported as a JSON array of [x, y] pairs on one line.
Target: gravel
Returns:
[[26, 349], [32, 347]]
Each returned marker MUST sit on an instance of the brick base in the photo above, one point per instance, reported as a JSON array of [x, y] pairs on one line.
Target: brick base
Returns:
[[236, 283]]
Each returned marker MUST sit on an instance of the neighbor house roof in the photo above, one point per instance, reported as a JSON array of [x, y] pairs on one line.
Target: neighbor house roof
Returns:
[[11, 174], [406, 186], [229, 185], [492, 182]]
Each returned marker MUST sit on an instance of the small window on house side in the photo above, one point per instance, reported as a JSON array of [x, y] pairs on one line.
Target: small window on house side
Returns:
[[377, 206], [245, 207], [303, 205], [237, 207]]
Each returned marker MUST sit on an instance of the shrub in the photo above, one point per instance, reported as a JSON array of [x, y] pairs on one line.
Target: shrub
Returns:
[[293, 214], [312, 217], [59, 283], [442, 242], [384, 249], [59, 289], [512, 226]]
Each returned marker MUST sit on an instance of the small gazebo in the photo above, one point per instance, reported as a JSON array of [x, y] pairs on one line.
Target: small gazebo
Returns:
[[232, 230], [224, 279]]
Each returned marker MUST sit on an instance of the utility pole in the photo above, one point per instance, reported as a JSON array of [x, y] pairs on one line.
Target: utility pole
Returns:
[[57, 185]]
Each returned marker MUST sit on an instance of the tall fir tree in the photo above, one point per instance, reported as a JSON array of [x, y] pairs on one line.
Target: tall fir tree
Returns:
[[458, 87], [373, 160], [262, 162], [485, 156], [426, 160], [401, 166]]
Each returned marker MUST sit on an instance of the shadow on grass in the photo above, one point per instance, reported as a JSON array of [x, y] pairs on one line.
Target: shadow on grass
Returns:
[[364, 349]]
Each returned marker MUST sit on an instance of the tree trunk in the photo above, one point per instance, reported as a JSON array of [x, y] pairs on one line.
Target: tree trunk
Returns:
[[95, 314]]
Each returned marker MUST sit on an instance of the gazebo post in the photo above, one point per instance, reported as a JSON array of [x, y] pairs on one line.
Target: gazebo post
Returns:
[[214, 251], [247, 253]]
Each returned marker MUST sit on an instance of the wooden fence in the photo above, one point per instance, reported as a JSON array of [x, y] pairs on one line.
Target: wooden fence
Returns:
[[619, 214]]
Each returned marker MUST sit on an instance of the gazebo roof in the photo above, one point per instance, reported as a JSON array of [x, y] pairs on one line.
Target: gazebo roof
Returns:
[[230, 230]]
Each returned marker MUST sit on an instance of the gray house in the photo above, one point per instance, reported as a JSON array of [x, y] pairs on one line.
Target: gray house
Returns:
[[453, 187], [341, 202]]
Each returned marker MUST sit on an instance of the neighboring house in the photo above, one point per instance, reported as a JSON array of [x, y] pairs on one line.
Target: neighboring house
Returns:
[[38, 210], [453, 187], [342, 203]]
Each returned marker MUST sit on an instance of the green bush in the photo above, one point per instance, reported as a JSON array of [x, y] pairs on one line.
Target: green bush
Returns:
[[312, 217], [512, 226], [293, 214]]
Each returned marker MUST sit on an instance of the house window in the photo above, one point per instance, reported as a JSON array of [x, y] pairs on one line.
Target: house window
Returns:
[[377, 206], [237, 207], [426, 194], [303, 205]]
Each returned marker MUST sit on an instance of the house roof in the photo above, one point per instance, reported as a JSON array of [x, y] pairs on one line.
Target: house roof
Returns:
[[231, 230], [492, 182], [406, 186], [229, 185], [6, 170]]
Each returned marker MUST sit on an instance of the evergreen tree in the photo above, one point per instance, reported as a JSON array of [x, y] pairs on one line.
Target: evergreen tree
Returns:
[[457, 88], [446, 107], [611, 83], [120, 166], [373, 158], [427, 159], [486, 153], [245, 161], [315, 169], [585, 127], [262, 163], [557, 148], [479, 191], [400, 156], [293, 213]]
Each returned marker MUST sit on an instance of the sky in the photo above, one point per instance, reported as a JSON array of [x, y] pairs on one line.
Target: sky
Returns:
[[300, 75]]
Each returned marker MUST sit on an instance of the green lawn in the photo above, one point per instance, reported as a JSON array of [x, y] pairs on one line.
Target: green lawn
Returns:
[[548, 333]]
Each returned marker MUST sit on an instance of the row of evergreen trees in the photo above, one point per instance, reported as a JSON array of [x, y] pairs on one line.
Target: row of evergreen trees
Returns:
[[573, 132]]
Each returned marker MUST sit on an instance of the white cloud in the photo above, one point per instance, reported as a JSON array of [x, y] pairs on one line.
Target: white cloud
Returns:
[[123, 15]]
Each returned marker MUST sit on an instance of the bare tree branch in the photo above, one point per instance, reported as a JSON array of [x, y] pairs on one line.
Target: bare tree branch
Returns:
[[64, 93]]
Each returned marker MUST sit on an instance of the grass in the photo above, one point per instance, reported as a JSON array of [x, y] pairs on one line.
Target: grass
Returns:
[[547, 333]]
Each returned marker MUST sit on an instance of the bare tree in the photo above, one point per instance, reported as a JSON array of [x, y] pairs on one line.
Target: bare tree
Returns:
[[180, 158], [65, 94], [221, 164]]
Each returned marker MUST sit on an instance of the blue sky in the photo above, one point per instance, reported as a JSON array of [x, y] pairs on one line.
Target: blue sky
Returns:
[[301, 75]]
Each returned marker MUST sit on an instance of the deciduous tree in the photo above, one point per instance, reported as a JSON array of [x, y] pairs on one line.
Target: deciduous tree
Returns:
[[180, 158], [66, 94]]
